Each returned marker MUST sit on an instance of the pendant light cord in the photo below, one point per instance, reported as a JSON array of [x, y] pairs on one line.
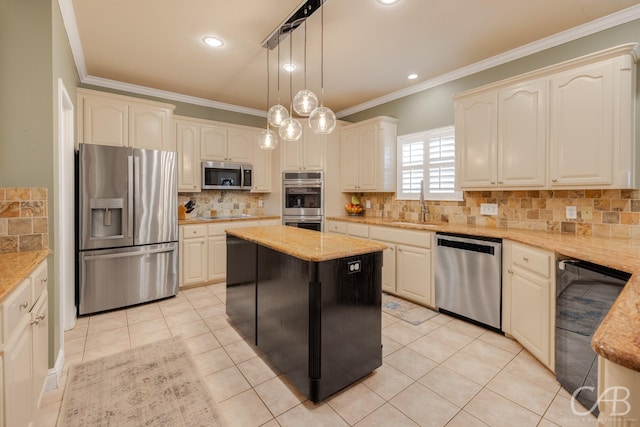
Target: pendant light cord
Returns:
[[322, 53], [291, 72], [268, 86], [278, 66]]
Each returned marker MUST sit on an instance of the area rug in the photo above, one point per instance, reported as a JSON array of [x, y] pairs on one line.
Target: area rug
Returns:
[[152, 385], [405, 310]]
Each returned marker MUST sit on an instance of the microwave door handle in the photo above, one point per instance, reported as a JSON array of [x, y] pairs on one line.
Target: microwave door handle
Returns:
[[241, 176]]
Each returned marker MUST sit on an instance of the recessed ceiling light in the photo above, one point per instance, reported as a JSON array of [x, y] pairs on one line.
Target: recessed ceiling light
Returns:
[[387, 2], [412, 76], [212, 41], [289, 67]]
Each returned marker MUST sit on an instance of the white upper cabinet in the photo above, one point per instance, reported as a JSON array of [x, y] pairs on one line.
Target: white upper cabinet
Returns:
[[188, 146], [368, 155], [109, 119], [307, 153], [240, 144], [213, 143], [261, 177], [570, 125], [226, 144]]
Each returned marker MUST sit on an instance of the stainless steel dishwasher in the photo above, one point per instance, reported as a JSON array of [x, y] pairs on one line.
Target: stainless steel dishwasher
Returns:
[[468, 277]]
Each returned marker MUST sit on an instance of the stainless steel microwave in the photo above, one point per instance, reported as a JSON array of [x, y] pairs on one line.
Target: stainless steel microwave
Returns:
[[226, 176]]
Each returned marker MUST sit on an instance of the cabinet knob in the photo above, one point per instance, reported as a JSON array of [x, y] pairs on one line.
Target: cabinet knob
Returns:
[[38, 319], [525, 259], [499, 182], [24, 305], [554, 180], [510, 271], [43, 280], [493, 182]]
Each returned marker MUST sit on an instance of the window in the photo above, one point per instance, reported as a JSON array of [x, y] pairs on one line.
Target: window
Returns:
[[428, 156]]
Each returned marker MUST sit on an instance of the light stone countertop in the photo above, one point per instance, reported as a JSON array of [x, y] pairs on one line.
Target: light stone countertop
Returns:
[[226, 219], [618, 337], [307, 245], [16, 266]]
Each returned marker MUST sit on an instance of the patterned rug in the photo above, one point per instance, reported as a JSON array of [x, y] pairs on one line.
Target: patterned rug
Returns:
[[152, 385], [405, 310]]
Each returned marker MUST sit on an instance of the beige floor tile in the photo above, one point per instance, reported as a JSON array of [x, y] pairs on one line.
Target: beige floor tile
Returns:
[[533, 397], [76, 332], [227, 335], [386, 416], [387, 381], [212, 311], [98, 352], [279, 395], [498, 411], [546, 423], [196, 293], [218, 289], [226, 383], [424, 407], [48, 415], [188, 330], [205, 301], [256, 371], [217, 322], [108, 337], [436, 350], [410, 363], [142, 313], [526, 366], [442, 319], [240, 351], [563, 413], [212, 361], [107, 321], [452, 386], [477, 370], [182, 318], [202, 343], [389, 346], [466, 328], [148, 331], [355, 403], [52, 396], [489, 353], [309, 414], [82, 321], [388, 320], [501, 341], [464, 419], [176, 308], [272, 423], [427, 327], [245, 409], [75, 345], [451, 337], [401, 333]]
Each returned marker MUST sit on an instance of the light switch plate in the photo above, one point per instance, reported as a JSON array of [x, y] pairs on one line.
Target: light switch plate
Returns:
[[571, 213], [368, 204], [488, 209]]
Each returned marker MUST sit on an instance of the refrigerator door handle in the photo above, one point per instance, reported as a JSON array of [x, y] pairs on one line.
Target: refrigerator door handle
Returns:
[[136, 179], [128, 254], [130, 202]]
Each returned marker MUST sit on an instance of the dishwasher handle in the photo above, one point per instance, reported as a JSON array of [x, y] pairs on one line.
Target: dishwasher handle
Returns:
[[467, 245]]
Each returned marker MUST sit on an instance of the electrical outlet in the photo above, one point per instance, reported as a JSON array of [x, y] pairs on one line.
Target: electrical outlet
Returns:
[[587, 213], [571, 212], [368, 204], [488, 209], [260, 203]]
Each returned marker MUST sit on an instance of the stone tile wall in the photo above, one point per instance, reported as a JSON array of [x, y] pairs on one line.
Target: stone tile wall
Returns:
[[24, 225], [224, 203], [616, 213]]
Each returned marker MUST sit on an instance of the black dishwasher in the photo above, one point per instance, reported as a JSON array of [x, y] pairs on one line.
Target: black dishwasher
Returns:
[[584, 295]]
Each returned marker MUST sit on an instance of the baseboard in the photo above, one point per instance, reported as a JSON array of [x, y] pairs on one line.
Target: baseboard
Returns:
[[54, 374]]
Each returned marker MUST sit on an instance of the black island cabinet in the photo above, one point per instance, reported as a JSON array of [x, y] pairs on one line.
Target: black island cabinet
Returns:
[[318, 320]]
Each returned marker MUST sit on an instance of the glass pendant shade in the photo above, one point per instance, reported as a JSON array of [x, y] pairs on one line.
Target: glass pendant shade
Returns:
[[305, 102], [290, 129], [268, 140], [277, 114], [322, 120]]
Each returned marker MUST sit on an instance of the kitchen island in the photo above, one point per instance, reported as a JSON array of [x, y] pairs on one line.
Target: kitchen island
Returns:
[[309, 301]]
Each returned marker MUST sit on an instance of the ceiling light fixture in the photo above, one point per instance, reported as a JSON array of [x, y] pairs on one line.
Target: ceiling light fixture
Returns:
[[277, 113], [290, 128], [268, 138], [289, 67], [388, 2], [322, 120], [412, 76], [305, 101], [212, 41]]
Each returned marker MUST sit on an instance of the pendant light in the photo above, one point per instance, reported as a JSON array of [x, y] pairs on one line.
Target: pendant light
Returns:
[[322, 120], [290, 128], [305, 101], [268, 138], [277, 113]]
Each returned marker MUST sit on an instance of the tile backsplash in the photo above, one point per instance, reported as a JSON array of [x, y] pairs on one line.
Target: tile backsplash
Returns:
[[24, 225], [615, 213], [223, 203]]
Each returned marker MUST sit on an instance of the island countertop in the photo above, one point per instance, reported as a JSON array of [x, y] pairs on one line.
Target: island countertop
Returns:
[[307, 245]]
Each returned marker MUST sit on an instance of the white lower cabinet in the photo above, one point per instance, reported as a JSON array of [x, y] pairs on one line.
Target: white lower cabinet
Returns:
[[24, 355], [193, 268], [529, 299], [336, 227]]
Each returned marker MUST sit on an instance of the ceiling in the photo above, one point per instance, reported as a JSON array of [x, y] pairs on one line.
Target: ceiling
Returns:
[[155, 47]]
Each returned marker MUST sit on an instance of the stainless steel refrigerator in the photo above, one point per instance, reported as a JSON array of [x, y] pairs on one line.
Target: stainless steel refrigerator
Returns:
[[127, 226]]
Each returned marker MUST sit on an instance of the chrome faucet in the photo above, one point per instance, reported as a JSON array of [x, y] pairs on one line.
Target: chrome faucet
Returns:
[[423, 207]]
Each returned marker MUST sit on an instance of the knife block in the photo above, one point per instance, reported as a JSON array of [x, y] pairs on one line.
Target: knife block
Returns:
[[182, 212]]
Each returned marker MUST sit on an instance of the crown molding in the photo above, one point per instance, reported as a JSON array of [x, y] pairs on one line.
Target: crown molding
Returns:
[[618, 18]]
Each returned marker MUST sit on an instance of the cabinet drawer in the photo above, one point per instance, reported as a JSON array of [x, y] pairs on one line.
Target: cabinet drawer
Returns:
[[38, 281], [532, 259], [17, 305], [420, 239], [358, 230], [196, 230], [336, 227], [218, 229]]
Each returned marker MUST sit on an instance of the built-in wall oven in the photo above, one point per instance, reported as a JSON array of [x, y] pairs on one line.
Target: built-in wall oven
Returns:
[[303, 199]]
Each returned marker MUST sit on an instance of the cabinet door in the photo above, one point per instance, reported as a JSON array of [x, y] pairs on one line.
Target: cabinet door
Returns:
[[581, 126], [349, 159], [530, 314], [105, 122], [367, 157], [188, 145], [240, 145], [312, 150], [413, 273], [194, 267], [261, 179], [291, 155], [148, 127], [18, 377], [40, 340], [522, 135], [213, 143], [217, 255], [476, 140], [389, 268]]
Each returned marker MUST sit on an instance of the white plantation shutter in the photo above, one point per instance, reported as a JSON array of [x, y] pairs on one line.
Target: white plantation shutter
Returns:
[[430, 156]]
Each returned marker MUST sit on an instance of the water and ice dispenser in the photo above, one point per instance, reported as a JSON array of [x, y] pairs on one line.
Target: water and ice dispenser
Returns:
[[106, 218]]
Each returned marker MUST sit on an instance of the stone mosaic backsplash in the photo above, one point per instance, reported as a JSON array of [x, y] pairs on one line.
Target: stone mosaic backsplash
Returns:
[[615, 213], [24, 225], [224, 203]]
